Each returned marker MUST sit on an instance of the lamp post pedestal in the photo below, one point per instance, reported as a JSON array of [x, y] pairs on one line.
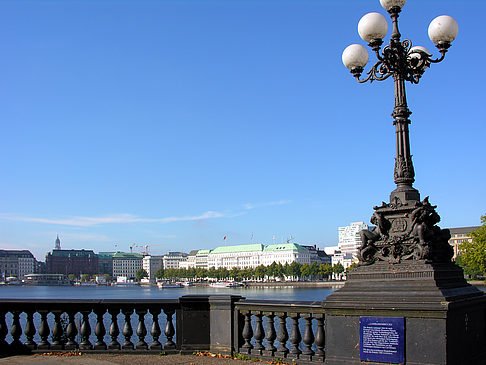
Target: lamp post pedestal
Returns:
[[443, 316]]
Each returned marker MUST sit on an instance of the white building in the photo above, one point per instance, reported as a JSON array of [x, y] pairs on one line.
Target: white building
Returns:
[[253, 255], [126, 264], [152, 264], [189, 262], [349, 240], [172, 259], [202, 259]]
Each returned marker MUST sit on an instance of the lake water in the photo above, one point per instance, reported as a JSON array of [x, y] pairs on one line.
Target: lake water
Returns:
[[141, 292]]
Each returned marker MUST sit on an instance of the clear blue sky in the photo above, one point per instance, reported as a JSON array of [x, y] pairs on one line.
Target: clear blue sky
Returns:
[[181, 122]]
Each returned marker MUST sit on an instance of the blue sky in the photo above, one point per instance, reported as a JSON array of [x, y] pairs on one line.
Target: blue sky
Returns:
[[180, 122]]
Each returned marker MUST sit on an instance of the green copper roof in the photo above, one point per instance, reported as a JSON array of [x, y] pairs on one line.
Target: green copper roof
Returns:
[[256, 247], [284, 247], [127, 255], [203, 252]]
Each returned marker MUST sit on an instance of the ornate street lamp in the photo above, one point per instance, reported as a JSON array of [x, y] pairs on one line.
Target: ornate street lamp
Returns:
[[406, 227], [406, 283]]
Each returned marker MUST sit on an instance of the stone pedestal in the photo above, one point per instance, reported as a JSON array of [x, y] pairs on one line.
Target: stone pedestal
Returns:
[[444, 316]]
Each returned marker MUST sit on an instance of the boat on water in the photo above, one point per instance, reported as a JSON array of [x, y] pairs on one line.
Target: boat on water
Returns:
[[168, 285], [187, 283], [225, 284], [78, 283]]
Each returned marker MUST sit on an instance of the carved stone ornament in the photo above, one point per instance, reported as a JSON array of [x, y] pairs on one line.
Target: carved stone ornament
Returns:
[[405, 231]]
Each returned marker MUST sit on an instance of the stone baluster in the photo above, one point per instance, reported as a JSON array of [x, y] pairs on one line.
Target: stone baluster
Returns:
[[295, 337], [259, 334], [169, 329], [114, 331], [308, 338], [43, 331], [29, 331], [155, 331], [127, 330], [282, 335], [3, 333], [71, 331], [85, 331], [57, 331], [247, 333], [100, 330], [141, 330], [270, 334], [320, 338], [16, 332]]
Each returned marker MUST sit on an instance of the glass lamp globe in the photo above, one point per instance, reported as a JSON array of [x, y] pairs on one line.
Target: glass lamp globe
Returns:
[[372, 26], [354, 56], [444, 28], [388, 4]]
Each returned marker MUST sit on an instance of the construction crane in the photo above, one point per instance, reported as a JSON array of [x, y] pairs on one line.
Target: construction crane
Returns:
[[146, 251], [131, 247]]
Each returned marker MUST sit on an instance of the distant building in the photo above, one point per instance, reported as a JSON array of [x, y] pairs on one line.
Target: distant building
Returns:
[[75, 262], [18, 263], [172, 259], [202, 259], [67, 262], [190, 261], [349, 239], [105, 263], [253, 255], [460, 235], [126, 264], [321, 256], [152, 264]]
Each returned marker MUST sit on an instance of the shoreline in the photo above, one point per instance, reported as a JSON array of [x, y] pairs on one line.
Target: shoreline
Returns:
[[300, 284]]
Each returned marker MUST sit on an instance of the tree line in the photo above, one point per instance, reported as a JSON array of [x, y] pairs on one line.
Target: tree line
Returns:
[[293, 271], [472, 257]]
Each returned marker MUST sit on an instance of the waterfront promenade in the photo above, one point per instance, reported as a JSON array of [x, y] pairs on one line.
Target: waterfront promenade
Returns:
[[121, 359]]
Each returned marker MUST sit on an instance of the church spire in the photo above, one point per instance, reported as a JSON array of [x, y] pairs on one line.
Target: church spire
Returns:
[[58, 243]]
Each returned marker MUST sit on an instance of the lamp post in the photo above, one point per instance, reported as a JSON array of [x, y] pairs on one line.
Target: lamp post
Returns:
[[406, 283], [406, 226]]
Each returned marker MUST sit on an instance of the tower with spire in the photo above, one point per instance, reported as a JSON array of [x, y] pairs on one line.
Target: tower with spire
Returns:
[[58, 243]]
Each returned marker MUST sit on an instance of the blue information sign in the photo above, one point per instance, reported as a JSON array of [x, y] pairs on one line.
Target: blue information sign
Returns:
[[382, 339]]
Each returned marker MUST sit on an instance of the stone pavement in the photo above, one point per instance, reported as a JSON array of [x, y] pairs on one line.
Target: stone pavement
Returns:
[[120, 359]]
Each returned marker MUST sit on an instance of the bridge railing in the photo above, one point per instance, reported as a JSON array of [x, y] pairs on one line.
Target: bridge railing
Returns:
[[263, 330], [216, 323]]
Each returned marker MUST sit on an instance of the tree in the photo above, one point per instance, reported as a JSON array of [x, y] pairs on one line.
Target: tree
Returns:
[[141, 273], [159, 274], [85, 278], [325, 270], [338, 269], [351, 267], [72, 277], [473, 257]]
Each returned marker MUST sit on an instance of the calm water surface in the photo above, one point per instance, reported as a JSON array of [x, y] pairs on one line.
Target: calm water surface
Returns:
[[137, 292]]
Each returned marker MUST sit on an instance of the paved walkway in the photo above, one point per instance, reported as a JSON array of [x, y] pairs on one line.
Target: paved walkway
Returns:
[[120, 359]]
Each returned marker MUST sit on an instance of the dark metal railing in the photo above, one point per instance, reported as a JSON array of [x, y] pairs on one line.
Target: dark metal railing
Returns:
[[86, 325], [257, 333]]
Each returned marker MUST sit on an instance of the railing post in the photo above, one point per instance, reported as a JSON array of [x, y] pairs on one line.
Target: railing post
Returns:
[[193, 324], [114, 330], [320, 338], [259, 334], [308, 338], [16, 332], [85, 331], [100, 329], [282, 335], [29, 331], [71, 331], [43, 331], [57, 331], [270, 335], [141, 330], [222, 324], [295, 337], [155, 331], [247, 333], [127, 329], [169, 330], [3, 332]]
